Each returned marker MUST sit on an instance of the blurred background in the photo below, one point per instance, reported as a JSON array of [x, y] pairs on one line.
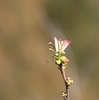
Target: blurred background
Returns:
[[26, 27]]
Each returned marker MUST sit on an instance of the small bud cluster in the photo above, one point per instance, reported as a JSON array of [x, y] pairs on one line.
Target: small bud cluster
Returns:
[[69, 81]]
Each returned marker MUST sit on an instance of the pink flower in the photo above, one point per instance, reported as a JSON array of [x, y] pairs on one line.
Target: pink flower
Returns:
[[59, 49]]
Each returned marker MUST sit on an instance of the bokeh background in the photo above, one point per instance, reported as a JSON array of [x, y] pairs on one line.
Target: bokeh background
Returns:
[[26, 27]]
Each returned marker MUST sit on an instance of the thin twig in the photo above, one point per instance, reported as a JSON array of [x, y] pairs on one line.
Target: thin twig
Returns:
[[66, 84]]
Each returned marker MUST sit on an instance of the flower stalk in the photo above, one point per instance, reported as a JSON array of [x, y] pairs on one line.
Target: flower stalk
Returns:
[[67, 81]]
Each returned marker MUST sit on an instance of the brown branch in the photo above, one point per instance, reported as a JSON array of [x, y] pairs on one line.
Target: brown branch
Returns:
[[66, 84]]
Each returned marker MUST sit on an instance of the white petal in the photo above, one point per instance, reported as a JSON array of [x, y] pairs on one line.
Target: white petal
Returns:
[[59, 45], [56, 44]]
